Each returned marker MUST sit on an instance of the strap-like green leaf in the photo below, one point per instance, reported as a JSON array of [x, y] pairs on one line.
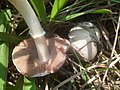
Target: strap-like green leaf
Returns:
[[102, 11], [4, 47], [40, 9], [75, 15], [117, 1], [29, 83], [58, 5]]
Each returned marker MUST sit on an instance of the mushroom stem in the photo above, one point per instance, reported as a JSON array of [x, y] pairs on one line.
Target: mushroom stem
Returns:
[[36, 31]]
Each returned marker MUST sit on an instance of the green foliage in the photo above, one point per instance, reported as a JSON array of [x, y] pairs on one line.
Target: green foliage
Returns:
[[19, 84], [10, 87], [10, 38], [117, 1], [75, 15], [58, 5], [4, 47], [29, 84], [23, 83], [85, 75], [102, 11], [61, 11], [40, 9]]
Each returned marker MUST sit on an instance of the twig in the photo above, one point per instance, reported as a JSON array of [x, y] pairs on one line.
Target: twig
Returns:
[[113, 49], [106, 38], [76, 64], [89, 81], [74, 76], [116, 35], [114, 62]]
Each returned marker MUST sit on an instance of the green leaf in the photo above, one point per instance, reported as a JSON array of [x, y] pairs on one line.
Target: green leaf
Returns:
[[117, 1], [85, 75], [10, 38], [4, 47], [40, 9], [19, 84], [72, 16], [75, 15], [58, 5], [102, 11], [29, 84]]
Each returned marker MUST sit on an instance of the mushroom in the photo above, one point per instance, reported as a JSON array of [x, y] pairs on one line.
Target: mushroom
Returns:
[[36, 31], [84, 38], [35, 57], [26, 60]]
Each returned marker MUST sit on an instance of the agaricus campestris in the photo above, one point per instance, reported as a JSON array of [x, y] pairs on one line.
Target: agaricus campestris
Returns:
[[84, 39], [37, 56], [26, 60]]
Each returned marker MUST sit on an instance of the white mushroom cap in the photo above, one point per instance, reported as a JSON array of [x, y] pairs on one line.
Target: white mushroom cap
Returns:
[[84, 38], [25, 57]]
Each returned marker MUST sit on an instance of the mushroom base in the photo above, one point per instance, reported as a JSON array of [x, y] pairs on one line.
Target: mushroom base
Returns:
[[26, 60]]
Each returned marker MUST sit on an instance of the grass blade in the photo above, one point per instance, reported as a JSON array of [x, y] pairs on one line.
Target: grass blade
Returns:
[[117, 1], [40, 9], [102, 11], [4, 48], [75, 15], [58, 5], [85, 75], [29, 83]]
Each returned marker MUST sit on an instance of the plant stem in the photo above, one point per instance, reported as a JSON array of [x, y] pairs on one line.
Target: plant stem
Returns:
[[36, 31]]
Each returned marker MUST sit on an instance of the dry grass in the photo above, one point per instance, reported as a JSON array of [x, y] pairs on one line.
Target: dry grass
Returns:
[[102, 73]]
